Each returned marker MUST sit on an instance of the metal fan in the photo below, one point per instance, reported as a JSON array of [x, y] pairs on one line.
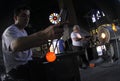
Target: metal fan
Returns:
[[54, 18]]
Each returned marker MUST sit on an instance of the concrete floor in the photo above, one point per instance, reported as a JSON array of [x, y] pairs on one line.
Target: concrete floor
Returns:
[[103, 72]]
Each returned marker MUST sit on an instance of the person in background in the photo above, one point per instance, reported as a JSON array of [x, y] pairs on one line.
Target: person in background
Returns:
[[61, 45], [17, 44], [57, 46], [77, 45]]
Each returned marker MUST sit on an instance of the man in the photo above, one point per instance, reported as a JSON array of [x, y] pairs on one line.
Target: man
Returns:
[[77, 45], [16, 44]]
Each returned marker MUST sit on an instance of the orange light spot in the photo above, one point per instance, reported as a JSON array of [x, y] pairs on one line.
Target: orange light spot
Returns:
[[50, 57], [114, 27], [91, 65]]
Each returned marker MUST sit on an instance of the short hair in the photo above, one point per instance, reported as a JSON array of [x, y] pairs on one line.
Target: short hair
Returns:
[[18, 9], [76, 27]]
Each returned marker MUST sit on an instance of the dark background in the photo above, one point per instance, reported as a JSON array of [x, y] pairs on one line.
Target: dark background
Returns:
[[40, 11]]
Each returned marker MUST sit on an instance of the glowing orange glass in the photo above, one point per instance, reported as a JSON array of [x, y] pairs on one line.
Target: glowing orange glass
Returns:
[[50, 57]]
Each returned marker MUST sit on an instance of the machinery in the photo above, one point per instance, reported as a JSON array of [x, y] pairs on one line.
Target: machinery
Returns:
[[109, 35]]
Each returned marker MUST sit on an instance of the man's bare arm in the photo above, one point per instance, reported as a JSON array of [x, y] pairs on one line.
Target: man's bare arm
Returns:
[[36, 39], [78, 39]]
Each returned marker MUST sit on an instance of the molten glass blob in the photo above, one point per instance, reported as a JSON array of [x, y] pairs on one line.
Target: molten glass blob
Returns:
[[50, 57]]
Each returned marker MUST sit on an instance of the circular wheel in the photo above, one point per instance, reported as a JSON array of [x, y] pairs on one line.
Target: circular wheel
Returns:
[[103, 34], [54, 18]]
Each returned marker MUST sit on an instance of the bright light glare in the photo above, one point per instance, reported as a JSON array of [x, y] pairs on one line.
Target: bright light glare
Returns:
[[103, 35]]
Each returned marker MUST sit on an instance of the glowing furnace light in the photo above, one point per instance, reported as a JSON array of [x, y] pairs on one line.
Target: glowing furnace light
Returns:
[[54, 18], [103, 35], [50, 57], [114, 27]]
